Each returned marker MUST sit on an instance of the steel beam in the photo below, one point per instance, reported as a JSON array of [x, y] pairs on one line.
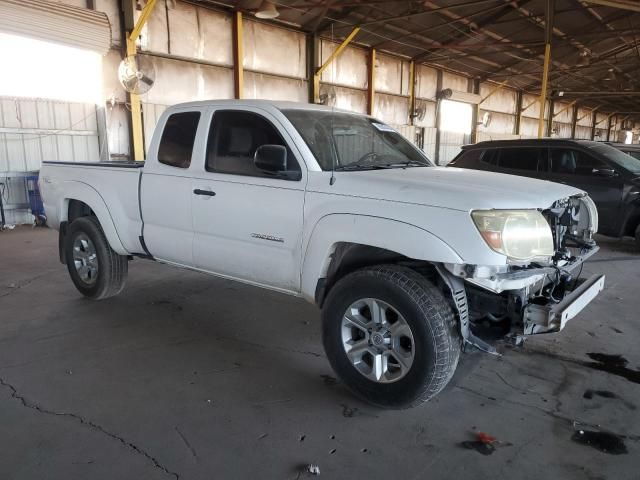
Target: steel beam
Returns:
[[543, 92], [371, 81], [238, 55], [136, 108], [412, 92], [623, 4], [336, 53]]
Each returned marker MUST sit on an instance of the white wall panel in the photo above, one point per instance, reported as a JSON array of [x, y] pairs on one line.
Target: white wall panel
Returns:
[[500, 123], [502, 100], [274, 50], [258, 85], [179, 81], [154, 36], [391, 109], [583, 133], [351, 100], [426, 82], [392, 75], [349, 69], [454, 82]]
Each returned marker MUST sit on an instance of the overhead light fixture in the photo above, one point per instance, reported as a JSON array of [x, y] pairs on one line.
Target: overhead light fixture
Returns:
[[267, 10]]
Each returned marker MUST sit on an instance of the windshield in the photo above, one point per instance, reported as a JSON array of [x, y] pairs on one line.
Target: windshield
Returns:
[[353, 142], [625, 161]]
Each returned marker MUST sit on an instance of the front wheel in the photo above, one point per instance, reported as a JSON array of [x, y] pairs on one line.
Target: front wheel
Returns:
[[390, 335], [95, 269]]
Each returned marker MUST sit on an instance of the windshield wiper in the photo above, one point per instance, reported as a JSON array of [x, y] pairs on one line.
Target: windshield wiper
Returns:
[[356, 166], [408, 163]]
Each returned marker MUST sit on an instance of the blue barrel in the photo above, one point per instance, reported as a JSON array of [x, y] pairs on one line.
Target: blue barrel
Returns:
[[35, 200]]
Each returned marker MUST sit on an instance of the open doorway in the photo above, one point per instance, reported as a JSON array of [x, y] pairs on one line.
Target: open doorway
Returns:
[[455, 128]]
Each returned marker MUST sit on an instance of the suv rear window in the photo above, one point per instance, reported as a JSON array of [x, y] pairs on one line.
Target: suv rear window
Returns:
[[467, 158]]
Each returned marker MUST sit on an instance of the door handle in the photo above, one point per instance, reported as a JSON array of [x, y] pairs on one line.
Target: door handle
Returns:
[[199, 191]]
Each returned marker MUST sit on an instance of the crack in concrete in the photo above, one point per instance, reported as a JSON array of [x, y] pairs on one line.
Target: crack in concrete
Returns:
[[90, 424], [17, 286], [186, 442]]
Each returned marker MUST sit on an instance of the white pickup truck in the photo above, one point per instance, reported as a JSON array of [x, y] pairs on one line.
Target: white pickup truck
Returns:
[[403, 257]]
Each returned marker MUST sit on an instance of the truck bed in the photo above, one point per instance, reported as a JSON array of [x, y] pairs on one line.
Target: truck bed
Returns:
[[111, 187]]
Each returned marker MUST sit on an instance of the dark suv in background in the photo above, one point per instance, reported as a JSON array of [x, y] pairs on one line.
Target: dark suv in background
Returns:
[[629, 149], [611, 177]]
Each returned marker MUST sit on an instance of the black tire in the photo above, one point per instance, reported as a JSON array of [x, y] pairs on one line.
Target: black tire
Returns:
[[437, 341], [112, 268]]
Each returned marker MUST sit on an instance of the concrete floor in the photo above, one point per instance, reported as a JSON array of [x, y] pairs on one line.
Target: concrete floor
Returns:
[[193, 377]]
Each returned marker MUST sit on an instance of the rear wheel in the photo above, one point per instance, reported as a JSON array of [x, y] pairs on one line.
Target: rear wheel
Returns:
[[95, 269], [390, 335]]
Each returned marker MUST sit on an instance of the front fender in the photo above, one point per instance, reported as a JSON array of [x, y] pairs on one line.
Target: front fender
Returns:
[[85, 193], [403, 238]]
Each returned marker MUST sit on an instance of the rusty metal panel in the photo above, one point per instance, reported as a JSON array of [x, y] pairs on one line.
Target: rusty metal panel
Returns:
[[561, 130], [274, 50], [392, 75], [184, 29], [534, 110], [566, 115], [349, 69], [391, 109], [258, 85], [426, 82], [528, 127]]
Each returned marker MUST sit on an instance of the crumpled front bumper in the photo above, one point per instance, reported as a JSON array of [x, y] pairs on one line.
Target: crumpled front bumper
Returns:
[[554, 316]]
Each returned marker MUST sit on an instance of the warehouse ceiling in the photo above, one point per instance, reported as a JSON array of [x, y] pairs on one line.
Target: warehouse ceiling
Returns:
[[595, 48]]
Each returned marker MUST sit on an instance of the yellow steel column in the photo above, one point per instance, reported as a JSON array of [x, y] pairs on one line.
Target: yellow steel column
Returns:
[[371, 84], [238, 55], [412, 91], [543, 91], [136, 109], [332, 57]]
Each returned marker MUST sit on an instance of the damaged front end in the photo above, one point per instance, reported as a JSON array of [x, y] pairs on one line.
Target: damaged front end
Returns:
[[539, 296]]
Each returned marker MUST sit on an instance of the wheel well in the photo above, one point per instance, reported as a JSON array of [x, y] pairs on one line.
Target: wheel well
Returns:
[[349, 257], [78, 208]]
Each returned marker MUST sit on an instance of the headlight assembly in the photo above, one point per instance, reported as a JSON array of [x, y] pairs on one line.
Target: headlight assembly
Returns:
[[521, 235]]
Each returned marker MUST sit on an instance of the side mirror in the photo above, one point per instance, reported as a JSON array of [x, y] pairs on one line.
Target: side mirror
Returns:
[[271, 158], [604, 172]]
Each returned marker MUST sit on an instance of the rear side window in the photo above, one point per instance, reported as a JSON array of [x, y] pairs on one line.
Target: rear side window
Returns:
[[574, 162], [178, 137], [467, 158], [519, 158]]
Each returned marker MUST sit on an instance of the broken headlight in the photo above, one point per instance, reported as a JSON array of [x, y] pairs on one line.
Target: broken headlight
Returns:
[[521, 235]]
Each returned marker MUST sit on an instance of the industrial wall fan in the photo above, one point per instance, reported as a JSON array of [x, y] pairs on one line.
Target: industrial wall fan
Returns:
[[136, 74]]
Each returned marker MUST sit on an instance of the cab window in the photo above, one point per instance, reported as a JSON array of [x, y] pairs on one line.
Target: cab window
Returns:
[[178, 137], [233, 140]]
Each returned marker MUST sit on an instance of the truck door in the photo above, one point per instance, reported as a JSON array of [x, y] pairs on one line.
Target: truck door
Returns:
[[247, 222], [166, 190]]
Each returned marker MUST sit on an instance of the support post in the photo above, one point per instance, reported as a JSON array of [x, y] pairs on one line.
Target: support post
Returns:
[[436, 154], [594, 114], [552, 106], [518, 119], [136, 107], [371, 83], [609, 121], [332, 57], [543, 90], [412, 92], [574, 120], [238, 55], [474, 86], [313, 50]]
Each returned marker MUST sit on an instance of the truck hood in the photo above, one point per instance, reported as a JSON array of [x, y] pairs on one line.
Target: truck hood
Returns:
[[454, 188]]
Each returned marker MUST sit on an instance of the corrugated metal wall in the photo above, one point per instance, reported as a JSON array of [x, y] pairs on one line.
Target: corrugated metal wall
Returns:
[[33, 130]]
